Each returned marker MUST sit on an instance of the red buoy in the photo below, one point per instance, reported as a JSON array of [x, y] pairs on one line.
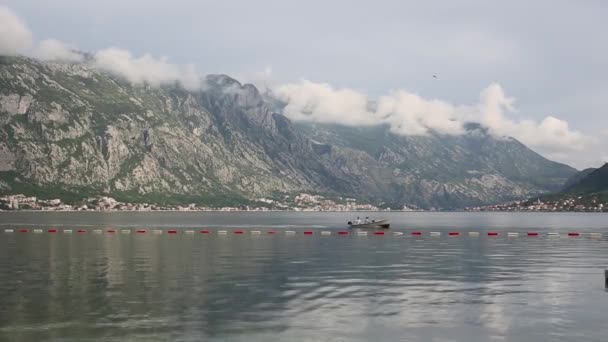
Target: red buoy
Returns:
[[379, 233], [23, 230], [342, 233], [172, 231], [272, 232], [417, 233], [574, 234], [308, 232], [82, 231], [492, 234], [141, 231], [52, 230], [111, 231], [533, 234], [454, 233], [205, 232]]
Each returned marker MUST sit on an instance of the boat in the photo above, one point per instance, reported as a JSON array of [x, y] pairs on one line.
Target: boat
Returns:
[[370, 224]]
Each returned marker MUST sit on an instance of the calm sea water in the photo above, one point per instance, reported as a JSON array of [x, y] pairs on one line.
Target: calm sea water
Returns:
[[88, 287]]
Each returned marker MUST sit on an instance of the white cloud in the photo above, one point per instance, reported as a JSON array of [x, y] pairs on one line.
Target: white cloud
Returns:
[[54, 50], [263, 79], [320, 102], [15, 36], [409, 114], [146, 69], [551, 135]]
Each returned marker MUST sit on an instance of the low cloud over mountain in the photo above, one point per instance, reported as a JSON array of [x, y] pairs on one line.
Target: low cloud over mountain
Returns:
[[404, 111], [410, 114]]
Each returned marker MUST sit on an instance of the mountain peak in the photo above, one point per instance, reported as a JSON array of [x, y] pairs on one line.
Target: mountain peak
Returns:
[[77, 130], [590, 181], [222, 80]]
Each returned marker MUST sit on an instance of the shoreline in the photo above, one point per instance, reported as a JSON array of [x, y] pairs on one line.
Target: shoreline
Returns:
[[297, 211]]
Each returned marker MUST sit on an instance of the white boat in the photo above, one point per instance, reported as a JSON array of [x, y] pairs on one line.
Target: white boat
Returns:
[[370, 224]]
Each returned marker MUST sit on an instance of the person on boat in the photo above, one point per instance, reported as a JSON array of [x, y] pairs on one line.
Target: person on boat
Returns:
[[366, 219], [358, 220]]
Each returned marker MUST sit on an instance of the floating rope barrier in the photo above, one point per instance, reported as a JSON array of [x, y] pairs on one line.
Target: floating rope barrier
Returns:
[[415, 234]]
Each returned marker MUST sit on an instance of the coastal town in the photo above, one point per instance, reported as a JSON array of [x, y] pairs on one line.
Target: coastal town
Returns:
[[570, 204], [301, 202]]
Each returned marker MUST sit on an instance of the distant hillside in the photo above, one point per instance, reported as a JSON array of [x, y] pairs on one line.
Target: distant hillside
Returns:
[[69, 130], [594, 182], [587, 188], [441, 170], [577, 177]]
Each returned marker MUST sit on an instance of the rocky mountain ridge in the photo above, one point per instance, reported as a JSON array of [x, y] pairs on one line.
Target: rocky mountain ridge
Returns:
[[68, 129], [591, 181]]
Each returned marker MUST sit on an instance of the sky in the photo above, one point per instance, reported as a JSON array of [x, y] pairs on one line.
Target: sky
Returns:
[[532, 70]]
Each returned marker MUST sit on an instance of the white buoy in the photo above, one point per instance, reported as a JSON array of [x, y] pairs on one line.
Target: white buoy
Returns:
[[256, 232], [290, 232], [222, 232], [474, 234], [361, 233], [325, 233], [9, 230], [97, 231], [38, 231], [512, 234], [435, 233]]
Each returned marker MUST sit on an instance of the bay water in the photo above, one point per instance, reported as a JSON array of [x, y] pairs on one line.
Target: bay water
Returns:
[[282, 287]]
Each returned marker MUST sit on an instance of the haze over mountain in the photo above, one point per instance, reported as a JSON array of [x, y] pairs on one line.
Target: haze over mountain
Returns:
[[75, 121], [590, 182], [71, 126], [412, 66]]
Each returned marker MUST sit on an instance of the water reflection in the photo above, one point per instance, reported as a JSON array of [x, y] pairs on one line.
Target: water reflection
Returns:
[[162, 287]]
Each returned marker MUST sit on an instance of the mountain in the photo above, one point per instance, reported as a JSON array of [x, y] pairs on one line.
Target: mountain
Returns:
[[440, 170], [585, 191], [69, 130], [596, 181], [577, 177]]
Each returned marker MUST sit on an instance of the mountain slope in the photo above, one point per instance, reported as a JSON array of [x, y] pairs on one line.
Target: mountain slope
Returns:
[[70, 126], [594, 182], [442, 170], [577, 177], [71, 130]]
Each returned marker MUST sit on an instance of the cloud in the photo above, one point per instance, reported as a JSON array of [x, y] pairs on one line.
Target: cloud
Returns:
[[551, 135], [54, 50], [320, 102], [15, 36], [146, 69], [263, 80], [410, 114]]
